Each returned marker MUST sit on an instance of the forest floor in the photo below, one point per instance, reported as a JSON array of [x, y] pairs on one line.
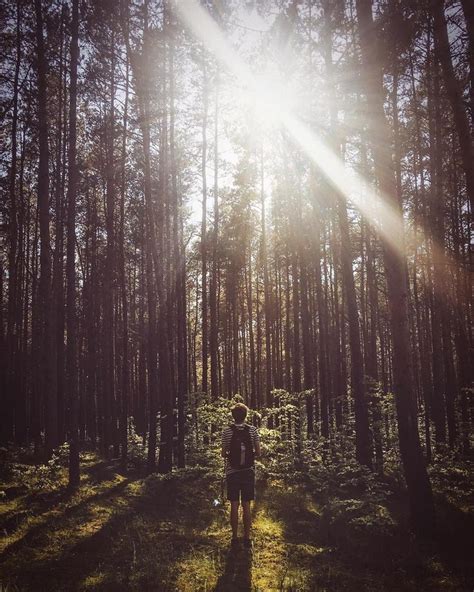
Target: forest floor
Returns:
[[122, 532]]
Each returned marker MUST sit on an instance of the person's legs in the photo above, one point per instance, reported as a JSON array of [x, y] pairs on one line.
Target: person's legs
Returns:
[[233, 495], [247, 517], [234, 518], [241, 485], [248, 495]]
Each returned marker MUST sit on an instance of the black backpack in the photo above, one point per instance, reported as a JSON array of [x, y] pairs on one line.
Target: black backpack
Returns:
[[241, 453]]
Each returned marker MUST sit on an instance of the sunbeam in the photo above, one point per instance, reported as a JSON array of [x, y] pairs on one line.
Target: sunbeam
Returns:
[[274, 103], [231, 233]]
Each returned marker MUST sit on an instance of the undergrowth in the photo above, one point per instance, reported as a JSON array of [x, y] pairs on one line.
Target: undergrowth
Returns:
[[321, 520]]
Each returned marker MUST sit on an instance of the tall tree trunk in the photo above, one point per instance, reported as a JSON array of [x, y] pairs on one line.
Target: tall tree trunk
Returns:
[[10, 357], [418, 484], [267, 399], [363, 435], [58, 263], [296, 358], [125, 388], [151, 284], [468, 9], [163, 279], [438, 406], [180, 279], [250, 308], [455, 97], [204, 306], [323, 382], [362, 428], [45, 380], [419, 220], [71, 318], [213, 300], [109, 272]]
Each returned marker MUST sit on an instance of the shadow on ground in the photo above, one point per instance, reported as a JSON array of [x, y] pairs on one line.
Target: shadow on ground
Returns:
[[112, 535], [335, 548], [237, 576], [123, 533]]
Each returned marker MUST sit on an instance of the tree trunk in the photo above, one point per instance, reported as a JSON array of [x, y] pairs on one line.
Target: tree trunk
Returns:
[[455, 96], [468, 9], [418, 484], [438, 406], [213, 300], [47, 364], [10, 357], [125, 374], [204, 311], [71, 318]]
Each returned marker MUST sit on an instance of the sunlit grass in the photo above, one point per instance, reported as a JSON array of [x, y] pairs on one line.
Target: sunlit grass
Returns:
[[95, 514], [281, 565], [198, 571], [93, 581], [267, 526], [162, 534], [270, 557]]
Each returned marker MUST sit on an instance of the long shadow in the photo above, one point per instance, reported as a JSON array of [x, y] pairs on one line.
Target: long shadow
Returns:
[[135, 549], [237, 576], [65, 569], [359, 556], [39, 503], [33, 533], [453, 541], [336, 563], [36, 504], [111, 550]]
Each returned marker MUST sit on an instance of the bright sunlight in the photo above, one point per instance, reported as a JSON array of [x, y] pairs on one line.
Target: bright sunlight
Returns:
[[235, 295], [274, 105]]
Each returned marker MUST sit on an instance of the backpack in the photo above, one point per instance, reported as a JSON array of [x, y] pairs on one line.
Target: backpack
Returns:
[[241, 453]]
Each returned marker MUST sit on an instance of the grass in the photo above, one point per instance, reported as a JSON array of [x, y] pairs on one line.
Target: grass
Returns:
[[123, 532]]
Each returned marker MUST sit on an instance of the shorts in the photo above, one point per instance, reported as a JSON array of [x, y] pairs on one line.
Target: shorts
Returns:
[[241, 485]]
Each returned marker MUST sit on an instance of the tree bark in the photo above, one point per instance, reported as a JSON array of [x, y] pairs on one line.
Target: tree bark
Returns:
[[47, 365], [204, 306], [71, 318], [418, 484], [455, 97], [213, 300]]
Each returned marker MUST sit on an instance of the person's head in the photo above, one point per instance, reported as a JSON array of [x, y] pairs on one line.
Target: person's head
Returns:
[[239, 412]]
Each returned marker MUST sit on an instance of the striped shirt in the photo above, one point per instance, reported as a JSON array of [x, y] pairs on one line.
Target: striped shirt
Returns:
[[227, 437]]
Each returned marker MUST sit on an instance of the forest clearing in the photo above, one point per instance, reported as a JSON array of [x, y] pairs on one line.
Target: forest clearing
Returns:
[[233, 227]]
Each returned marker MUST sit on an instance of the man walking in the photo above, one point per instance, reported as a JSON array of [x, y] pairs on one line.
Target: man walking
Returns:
[[240, 447]]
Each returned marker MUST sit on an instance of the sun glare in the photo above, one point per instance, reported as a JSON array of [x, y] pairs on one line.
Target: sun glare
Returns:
[[269, 98], [275, 105]]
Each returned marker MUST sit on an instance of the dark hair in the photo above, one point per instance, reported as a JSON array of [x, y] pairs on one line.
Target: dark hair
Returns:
[[239, 412]]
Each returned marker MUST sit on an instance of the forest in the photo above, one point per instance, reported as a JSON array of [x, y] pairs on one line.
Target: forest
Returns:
[[206, 202]]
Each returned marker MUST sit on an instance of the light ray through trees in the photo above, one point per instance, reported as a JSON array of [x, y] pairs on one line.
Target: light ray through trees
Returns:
[[377, 211]]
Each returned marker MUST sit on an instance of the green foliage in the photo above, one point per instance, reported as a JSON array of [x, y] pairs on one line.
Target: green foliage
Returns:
[[453, 478], [42, 476], [321, 522], [358, 499], [136, 447], [315, 506]]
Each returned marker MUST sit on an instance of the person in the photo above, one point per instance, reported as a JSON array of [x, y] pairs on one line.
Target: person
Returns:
[[240, 447]]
